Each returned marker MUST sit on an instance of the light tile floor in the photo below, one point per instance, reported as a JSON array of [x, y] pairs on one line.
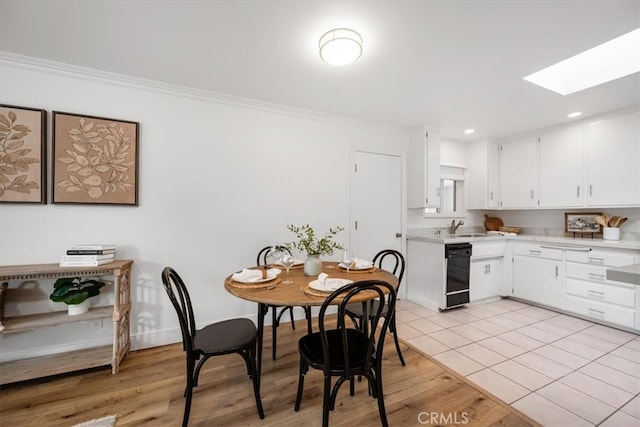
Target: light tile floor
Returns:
[[557, 369]]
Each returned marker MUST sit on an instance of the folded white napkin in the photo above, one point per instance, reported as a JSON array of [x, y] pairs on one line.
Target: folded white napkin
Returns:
[[361, 263], [332, 284], [251, 275]]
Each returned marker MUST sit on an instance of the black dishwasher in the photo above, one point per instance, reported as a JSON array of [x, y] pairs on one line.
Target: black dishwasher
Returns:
[[458, 262]]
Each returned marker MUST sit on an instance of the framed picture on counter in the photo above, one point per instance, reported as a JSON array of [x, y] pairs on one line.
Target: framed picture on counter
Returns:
[[582, 222]]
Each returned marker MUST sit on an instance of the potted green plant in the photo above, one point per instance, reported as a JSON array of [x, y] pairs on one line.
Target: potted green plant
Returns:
[[75, 293], [313, 246]]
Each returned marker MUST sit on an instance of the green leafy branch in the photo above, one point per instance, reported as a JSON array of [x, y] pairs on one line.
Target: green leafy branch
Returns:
[[311, 245]]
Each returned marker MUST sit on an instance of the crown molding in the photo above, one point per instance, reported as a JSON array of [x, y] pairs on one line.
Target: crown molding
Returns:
[[75, 71]]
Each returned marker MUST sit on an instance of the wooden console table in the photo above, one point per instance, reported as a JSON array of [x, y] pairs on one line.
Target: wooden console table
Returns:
[[119, 312]]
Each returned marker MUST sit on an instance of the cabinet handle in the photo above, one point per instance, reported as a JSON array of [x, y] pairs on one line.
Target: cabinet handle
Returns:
[[487, 269], [438, 191], [591, 189], [601, 313], [578, 191], [566, 248], [533, 251], [596, 276], [591, 291], [594, 260], [557, 272], [531, 194], [490, 195]]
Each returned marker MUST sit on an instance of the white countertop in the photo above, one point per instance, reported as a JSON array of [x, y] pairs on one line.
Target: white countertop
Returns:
[[427, 235]]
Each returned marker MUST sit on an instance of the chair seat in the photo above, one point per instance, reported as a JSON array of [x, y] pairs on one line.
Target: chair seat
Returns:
[[225, 337], [310, 347]]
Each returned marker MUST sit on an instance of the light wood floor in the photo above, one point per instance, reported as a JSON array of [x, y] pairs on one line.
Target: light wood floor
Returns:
[[148, 391]]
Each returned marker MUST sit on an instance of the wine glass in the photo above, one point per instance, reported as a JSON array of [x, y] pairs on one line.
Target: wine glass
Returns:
[[287, 260], [347, 259]]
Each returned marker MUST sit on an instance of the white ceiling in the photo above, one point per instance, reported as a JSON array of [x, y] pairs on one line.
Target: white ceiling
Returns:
[[455, 64]]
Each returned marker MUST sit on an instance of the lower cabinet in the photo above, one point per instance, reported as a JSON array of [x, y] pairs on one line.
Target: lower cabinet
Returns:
[[486, 278], [590, 294], [538, 274]]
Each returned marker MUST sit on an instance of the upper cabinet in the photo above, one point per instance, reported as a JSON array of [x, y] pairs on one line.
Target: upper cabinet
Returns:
[[423, 168], [613, 159], [590, 164], [561, 169], [484, 175], [519, 174]]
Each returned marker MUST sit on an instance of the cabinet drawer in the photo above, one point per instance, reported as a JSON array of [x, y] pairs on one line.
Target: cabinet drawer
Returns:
[[602, 257], [593, 273], [488, 250], [537, 250], [602, 292], [601, 311]]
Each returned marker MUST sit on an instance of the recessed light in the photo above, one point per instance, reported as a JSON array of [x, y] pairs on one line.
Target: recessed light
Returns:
[[574, 114], [612, 60], [469, 131]]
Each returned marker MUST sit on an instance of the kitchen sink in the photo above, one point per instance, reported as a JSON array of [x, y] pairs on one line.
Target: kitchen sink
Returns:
[[468, 235]]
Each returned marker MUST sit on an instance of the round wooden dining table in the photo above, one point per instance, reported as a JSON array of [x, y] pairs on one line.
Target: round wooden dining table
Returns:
[[299, 293]]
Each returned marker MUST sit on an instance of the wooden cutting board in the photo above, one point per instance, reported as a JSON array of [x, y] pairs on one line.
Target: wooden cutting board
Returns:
[[492, 223]]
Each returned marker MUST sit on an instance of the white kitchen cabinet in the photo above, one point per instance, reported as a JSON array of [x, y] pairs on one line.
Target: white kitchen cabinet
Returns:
[[484, 175], [613, 156], [486, 278], [538, 274], [487, 272], [423, 168], [519, 174], [591, 294], [561, 168]]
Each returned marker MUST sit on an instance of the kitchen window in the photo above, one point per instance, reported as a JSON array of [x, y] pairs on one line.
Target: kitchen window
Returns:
[[451, 191]]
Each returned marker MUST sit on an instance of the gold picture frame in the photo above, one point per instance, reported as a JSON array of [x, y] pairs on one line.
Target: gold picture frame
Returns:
[[23, 155], [95, 160]]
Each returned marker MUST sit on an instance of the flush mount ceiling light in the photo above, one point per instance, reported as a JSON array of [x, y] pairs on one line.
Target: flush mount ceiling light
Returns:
[[469, 131], [612, 60], [574, 114], [340, 46]]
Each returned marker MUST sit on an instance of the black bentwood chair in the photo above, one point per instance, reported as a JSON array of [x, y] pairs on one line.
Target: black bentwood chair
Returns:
[[345, 352], [225, 337], [394, 259], [275, 316]]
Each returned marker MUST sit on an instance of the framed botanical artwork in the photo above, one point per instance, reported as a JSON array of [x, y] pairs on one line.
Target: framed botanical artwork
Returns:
[[95, 160], [23, 154], [582, 222]]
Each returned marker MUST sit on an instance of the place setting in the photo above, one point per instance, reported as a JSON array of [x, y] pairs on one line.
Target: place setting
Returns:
[[352, 264], [255, 278]]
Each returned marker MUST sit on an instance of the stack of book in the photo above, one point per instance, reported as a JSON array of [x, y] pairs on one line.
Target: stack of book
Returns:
[[88, 255]]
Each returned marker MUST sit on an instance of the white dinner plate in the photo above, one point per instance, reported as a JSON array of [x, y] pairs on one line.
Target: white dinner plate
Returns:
[[337, 282], [342, 265], [271, 274]]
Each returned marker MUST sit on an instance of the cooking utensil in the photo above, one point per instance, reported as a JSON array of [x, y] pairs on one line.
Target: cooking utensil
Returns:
[[601, 220], [621, 221], [613, 221], [606, 219]]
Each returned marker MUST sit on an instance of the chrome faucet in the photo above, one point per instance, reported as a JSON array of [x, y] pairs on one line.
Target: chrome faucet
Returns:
[[455, 226]]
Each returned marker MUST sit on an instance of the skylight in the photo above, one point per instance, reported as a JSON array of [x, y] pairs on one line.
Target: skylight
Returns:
[[612, 60]]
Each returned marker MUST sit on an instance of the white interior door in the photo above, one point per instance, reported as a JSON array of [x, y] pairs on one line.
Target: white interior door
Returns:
[[376, 203]]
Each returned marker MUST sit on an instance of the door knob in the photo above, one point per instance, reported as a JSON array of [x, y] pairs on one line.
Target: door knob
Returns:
[[398, 234]]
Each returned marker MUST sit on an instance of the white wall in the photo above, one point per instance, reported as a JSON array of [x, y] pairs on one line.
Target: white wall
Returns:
[[217, 181]]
